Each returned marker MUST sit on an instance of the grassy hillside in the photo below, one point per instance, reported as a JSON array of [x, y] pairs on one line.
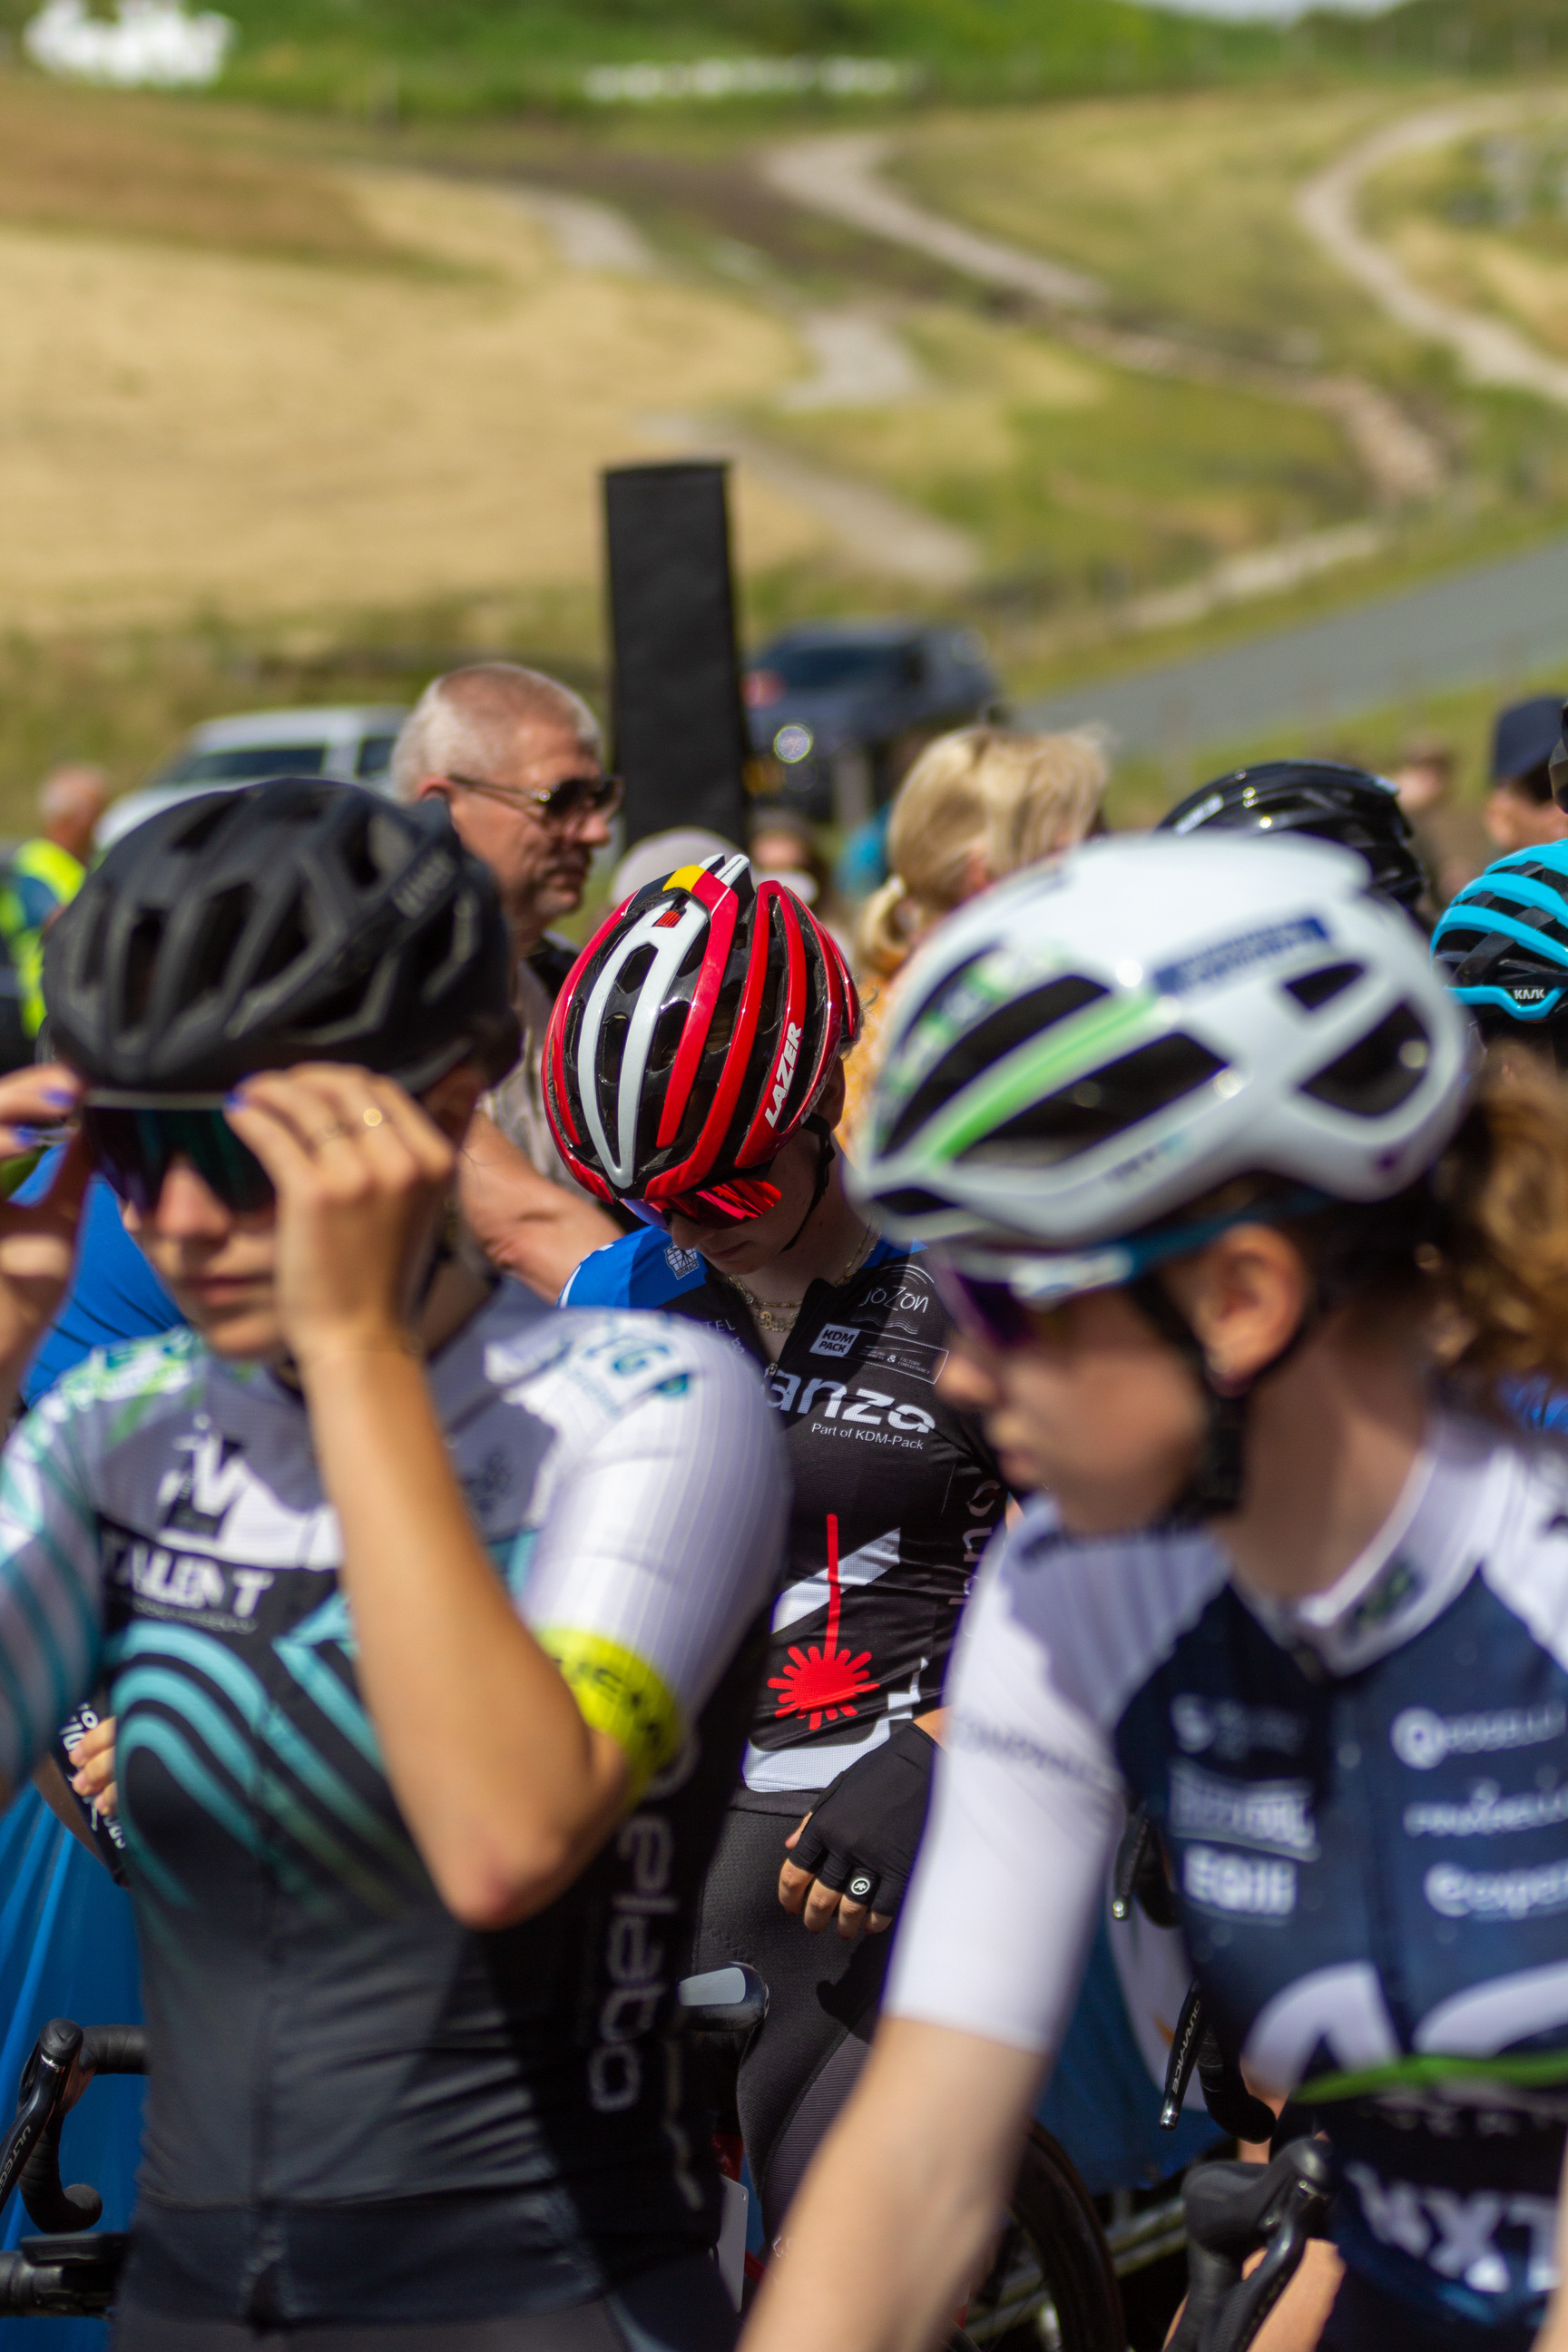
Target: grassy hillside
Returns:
[[433, 56]]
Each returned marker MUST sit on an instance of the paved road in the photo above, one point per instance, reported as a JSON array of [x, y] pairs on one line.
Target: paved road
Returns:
[[1497, 621]]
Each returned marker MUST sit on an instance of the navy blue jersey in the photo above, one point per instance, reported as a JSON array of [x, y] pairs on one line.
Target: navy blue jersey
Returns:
[[1364, 1797]]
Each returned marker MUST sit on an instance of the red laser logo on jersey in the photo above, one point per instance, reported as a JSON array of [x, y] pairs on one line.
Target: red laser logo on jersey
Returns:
[[819, 1683]]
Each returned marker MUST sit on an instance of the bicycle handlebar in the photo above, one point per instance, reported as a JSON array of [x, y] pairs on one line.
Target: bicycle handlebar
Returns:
[[1232, 2208], [62, 2278], [63, 2060]]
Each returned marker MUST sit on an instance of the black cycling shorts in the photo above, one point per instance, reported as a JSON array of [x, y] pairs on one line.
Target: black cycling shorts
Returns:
[[679, 2308]]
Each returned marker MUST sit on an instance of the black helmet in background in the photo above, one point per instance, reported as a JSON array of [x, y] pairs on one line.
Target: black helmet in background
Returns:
[[291, 921], [1320, 797]]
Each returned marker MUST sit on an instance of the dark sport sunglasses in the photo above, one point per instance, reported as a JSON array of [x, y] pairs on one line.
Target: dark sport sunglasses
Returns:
[[1012, 1302], [135, 1139], [566, 802], [738, 1200]]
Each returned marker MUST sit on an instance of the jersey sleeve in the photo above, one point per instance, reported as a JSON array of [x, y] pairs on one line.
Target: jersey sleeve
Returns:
[[660, 1541], [50, 1578], [600, 1280], [1026, 1812]]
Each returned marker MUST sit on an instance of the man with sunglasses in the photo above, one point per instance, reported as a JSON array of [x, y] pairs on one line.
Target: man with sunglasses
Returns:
[[516, 757], [694, 1073]]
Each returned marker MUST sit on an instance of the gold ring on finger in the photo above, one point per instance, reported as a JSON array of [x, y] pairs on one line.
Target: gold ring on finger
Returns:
[[371, 1118]]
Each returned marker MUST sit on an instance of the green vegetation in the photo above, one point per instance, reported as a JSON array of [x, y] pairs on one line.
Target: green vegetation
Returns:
[[1082, 482], [1144, 787], [476, 55]]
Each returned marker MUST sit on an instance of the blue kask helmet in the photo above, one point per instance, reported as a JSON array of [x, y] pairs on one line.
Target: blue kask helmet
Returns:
[[1502, 942]]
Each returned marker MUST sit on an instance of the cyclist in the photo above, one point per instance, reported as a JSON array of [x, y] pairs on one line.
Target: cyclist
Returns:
[[693, 1070], [411, 1853], [1323, 799], [1189, 1127], [1502, 946]]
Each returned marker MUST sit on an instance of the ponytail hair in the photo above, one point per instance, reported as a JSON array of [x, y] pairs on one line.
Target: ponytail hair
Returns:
[[884, 937], [1498, 1258], [984, 801]]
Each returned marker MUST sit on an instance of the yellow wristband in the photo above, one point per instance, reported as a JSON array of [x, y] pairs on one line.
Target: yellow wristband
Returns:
[[619, 1694]]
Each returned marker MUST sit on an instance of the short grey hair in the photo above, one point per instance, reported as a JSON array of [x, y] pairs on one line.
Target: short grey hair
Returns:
[[469, 718]]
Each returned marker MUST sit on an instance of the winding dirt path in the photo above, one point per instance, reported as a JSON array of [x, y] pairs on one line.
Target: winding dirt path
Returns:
[[1487, 350], [840, 173]]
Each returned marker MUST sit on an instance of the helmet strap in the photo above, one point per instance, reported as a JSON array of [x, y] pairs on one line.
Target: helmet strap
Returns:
[[1215, 1483], [827, 1153]]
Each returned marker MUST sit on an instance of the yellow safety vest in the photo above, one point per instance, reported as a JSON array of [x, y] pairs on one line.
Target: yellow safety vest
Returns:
[[62, 875]]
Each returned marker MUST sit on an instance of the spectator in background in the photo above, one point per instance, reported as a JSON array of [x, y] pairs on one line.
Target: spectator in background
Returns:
[[1520, 813], [659, 854], [515, 756], [1449, 836], [975, 807], [783, 848], [42, 875]]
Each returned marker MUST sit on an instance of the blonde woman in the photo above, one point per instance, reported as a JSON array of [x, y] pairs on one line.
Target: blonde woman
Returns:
[[976, 805]]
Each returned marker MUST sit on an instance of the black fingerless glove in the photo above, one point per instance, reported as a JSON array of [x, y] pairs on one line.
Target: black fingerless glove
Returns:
[[861, 1839]]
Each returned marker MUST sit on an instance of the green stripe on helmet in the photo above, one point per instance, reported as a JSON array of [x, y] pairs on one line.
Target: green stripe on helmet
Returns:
[[1070, 1049]]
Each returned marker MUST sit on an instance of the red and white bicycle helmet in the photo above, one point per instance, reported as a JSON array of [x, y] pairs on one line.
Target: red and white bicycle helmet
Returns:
[[692, 1040]]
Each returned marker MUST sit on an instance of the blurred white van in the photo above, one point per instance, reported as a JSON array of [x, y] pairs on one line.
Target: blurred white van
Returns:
[[353, 743]]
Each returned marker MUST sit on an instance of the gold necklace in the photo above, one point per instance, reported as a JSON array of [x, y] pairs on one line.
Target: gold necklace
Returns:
[[785, 1318]]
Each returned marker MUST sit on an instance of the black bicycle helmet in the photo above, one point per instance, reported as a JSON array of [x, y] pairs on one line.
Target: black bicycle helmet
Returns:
[[1349, 805], [291, 921]]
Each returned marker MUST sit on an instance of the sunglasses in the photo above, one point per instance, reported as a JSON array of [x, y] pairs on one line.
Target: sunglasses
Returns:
[[736, 1200], [135, 1139], [993, 1313], [1017, 1302], [566, 802]]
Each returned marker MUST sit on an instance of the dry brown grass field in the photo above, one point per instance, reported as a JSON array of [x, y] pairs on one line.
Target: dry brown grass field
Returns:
[[385, 387]]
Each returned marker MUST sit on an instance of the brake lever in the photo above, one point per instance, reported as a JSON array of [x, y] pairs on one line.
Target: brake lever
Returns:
[[1231, 2209], [40, 2100], [1185, 2043]]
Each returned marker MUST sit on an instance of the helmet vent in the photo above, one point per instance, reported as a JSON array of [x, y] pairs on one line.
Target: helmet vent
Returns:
[[910, 1201], [434, 952], [722, 1026], [1106, 1102], [221, 930], [1315, 988], [1381, 1072], [289, 942], [140, 963], [201, 823], [356, 850], [665, 1039], [635, 970], [1010, 1026], [1546, 875]]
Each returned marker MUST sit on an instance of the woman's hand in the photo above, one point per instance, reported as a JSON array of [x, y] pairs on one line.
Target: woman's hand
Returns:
[[92, 1767], [856, 1848], [38, 1239], [361, 1173]]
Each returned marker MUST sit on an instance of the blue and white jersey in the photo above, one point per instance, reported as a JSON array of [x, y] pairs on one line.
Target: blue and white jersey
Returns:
[[323, 2031], [1364, 1797]]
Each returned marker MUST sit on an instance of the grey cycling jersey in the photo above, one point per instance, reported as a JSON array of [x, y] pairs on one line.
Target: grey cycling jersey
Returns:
[[322, 2029], [1364, 1798]]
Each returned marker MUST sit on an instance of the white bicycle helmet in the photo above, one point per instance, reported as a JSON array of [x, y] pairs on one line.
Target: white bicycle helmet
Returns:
[[1084, 1052]]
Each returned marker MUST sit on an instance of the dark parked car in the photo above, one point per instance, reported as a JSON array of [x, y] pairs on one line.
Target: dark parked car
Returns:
[[839, 709]]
